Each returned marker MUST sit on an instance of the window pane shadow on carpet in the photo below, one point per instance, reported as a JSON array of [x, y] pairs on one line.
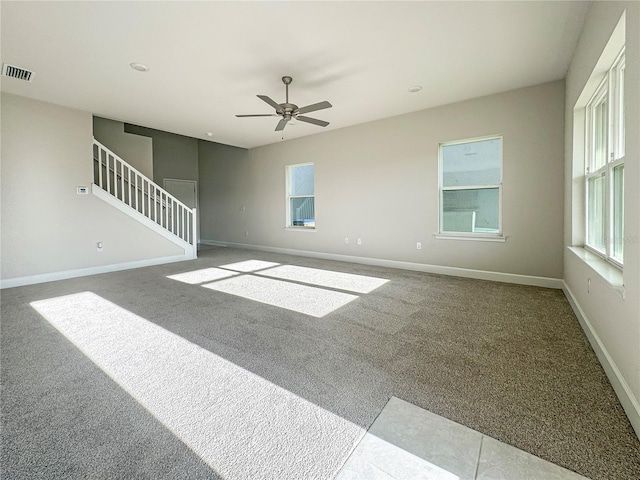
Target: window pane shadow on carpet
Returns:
[[216, 408]]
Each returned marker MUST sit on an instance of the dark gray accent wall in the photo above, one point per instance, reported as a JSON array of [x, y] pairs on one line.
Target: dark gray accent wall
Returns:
[[223, 171], [174, 156], [219, 170]]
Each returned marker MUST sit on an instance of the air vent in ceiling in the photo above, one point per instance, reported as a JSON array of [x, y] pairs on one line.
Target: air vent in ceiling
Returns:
[[16, 72]]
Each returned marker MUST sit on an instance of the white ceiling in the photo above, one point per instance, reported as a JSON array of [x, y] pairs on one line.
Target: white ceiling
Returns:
[[208, 60]]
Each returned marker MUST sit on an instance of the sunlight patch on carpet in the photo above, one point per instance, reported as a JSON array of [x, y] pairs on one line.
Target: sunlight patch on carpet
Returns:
[[249, 265], [196, 277], [240, 424], [316, 302], [326, 278]]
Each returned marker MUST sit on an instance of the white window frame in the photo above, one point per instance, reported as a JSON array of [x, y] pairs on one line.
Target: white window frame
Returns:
[[612, 89], [485, 236], [288, 223]]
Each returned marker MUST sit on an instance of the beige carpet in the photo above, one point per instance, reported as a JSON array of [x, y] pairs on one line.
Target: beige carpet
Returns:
[[508, 361]]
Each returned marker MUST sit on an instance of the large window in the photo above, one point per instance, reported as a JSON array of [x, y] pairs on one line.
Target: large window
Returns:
[[471, 187], [604, 166], [301, 211]]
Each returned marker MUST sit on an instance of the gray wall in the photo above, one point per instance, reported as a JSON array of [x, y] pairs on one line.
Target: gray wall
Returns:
[[614, 320], [46, 226], [379, 182], [136, 150], [174, 156], [223, 170]]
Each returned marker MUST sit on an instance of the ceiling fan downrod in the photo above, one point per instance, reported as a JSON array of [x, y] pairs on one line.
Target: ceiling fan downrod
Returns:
[[287, 81]]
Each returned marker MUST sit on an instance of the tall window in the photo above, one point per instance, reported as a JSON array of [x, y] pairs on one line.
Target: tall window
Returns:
[[471, 187], [301, 210], [604, 169]]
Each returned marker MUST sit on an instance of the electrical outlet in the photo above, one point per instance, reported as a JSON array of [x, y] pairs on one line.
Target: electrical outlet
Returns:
[[419, 246], [99, 246], [243, 208], [246, 234], [346, 240], [588, 285], [359, 241]]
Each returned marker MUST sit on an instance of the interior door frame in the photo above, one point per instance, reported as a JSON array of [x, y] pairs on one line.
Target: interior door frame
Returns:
[[197, 207]]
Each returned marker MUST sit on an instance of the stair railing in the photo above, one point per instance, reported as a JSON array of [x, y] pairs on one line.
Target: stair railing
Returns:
[[118, 178]]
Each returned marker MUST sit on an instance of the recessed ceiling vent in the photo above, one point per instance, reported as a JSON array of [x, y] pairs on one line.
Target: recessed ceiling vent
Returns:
[[16, 72]]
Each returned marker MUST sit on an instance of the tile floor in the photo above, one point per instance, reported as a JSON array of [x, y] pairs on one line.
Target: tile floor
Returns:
[[409, 443]]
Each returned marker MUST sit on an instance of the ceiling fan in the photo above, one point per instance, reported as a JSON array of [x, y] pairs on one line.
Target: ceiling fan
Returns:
[[288, 111]]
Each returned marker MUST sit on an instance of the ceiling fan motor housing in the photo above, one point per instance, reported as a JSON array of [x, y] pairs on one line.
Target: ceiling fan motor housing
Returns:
[[287, 110]]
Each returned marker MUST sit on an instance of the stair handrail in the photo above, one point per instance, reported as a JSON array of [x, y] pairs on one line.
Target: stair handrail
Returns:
[[134, 169]]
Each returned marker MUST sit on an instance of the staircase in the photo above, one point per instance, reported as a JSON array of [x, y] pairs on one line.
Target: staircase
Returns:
[[121, 185]]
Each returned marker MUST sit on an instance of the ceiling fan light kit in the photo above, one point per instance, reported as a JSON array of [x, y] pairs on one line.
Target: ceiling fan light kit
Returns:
[[289, 111]]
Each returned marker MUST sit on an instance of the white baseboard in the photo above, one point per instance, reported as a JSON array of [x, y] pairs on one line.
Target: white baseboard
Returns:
[[629, 402], [418, 267], [83, 272]]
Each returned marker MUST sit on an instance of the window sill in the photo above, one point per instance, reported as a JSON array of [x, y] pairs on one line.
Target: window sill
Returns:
[[300, 229], [474, 237], [609, 273]]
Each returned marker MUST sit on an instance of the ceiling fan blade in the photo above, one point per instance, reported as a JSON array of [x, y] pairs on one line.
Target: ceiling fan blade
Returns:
[[259, 115], [314, 107], [281, 124], [315, 121], [264, 98]]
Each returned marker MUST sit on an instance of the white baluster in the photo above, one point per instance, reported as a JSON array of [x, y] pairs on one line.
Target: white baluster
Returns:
[[174, 207], [100, 157], [182, 235], [124, 198], [129, 188], [167, 207], [136, 189], [148, 190], [108, 174], [194, 235]]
